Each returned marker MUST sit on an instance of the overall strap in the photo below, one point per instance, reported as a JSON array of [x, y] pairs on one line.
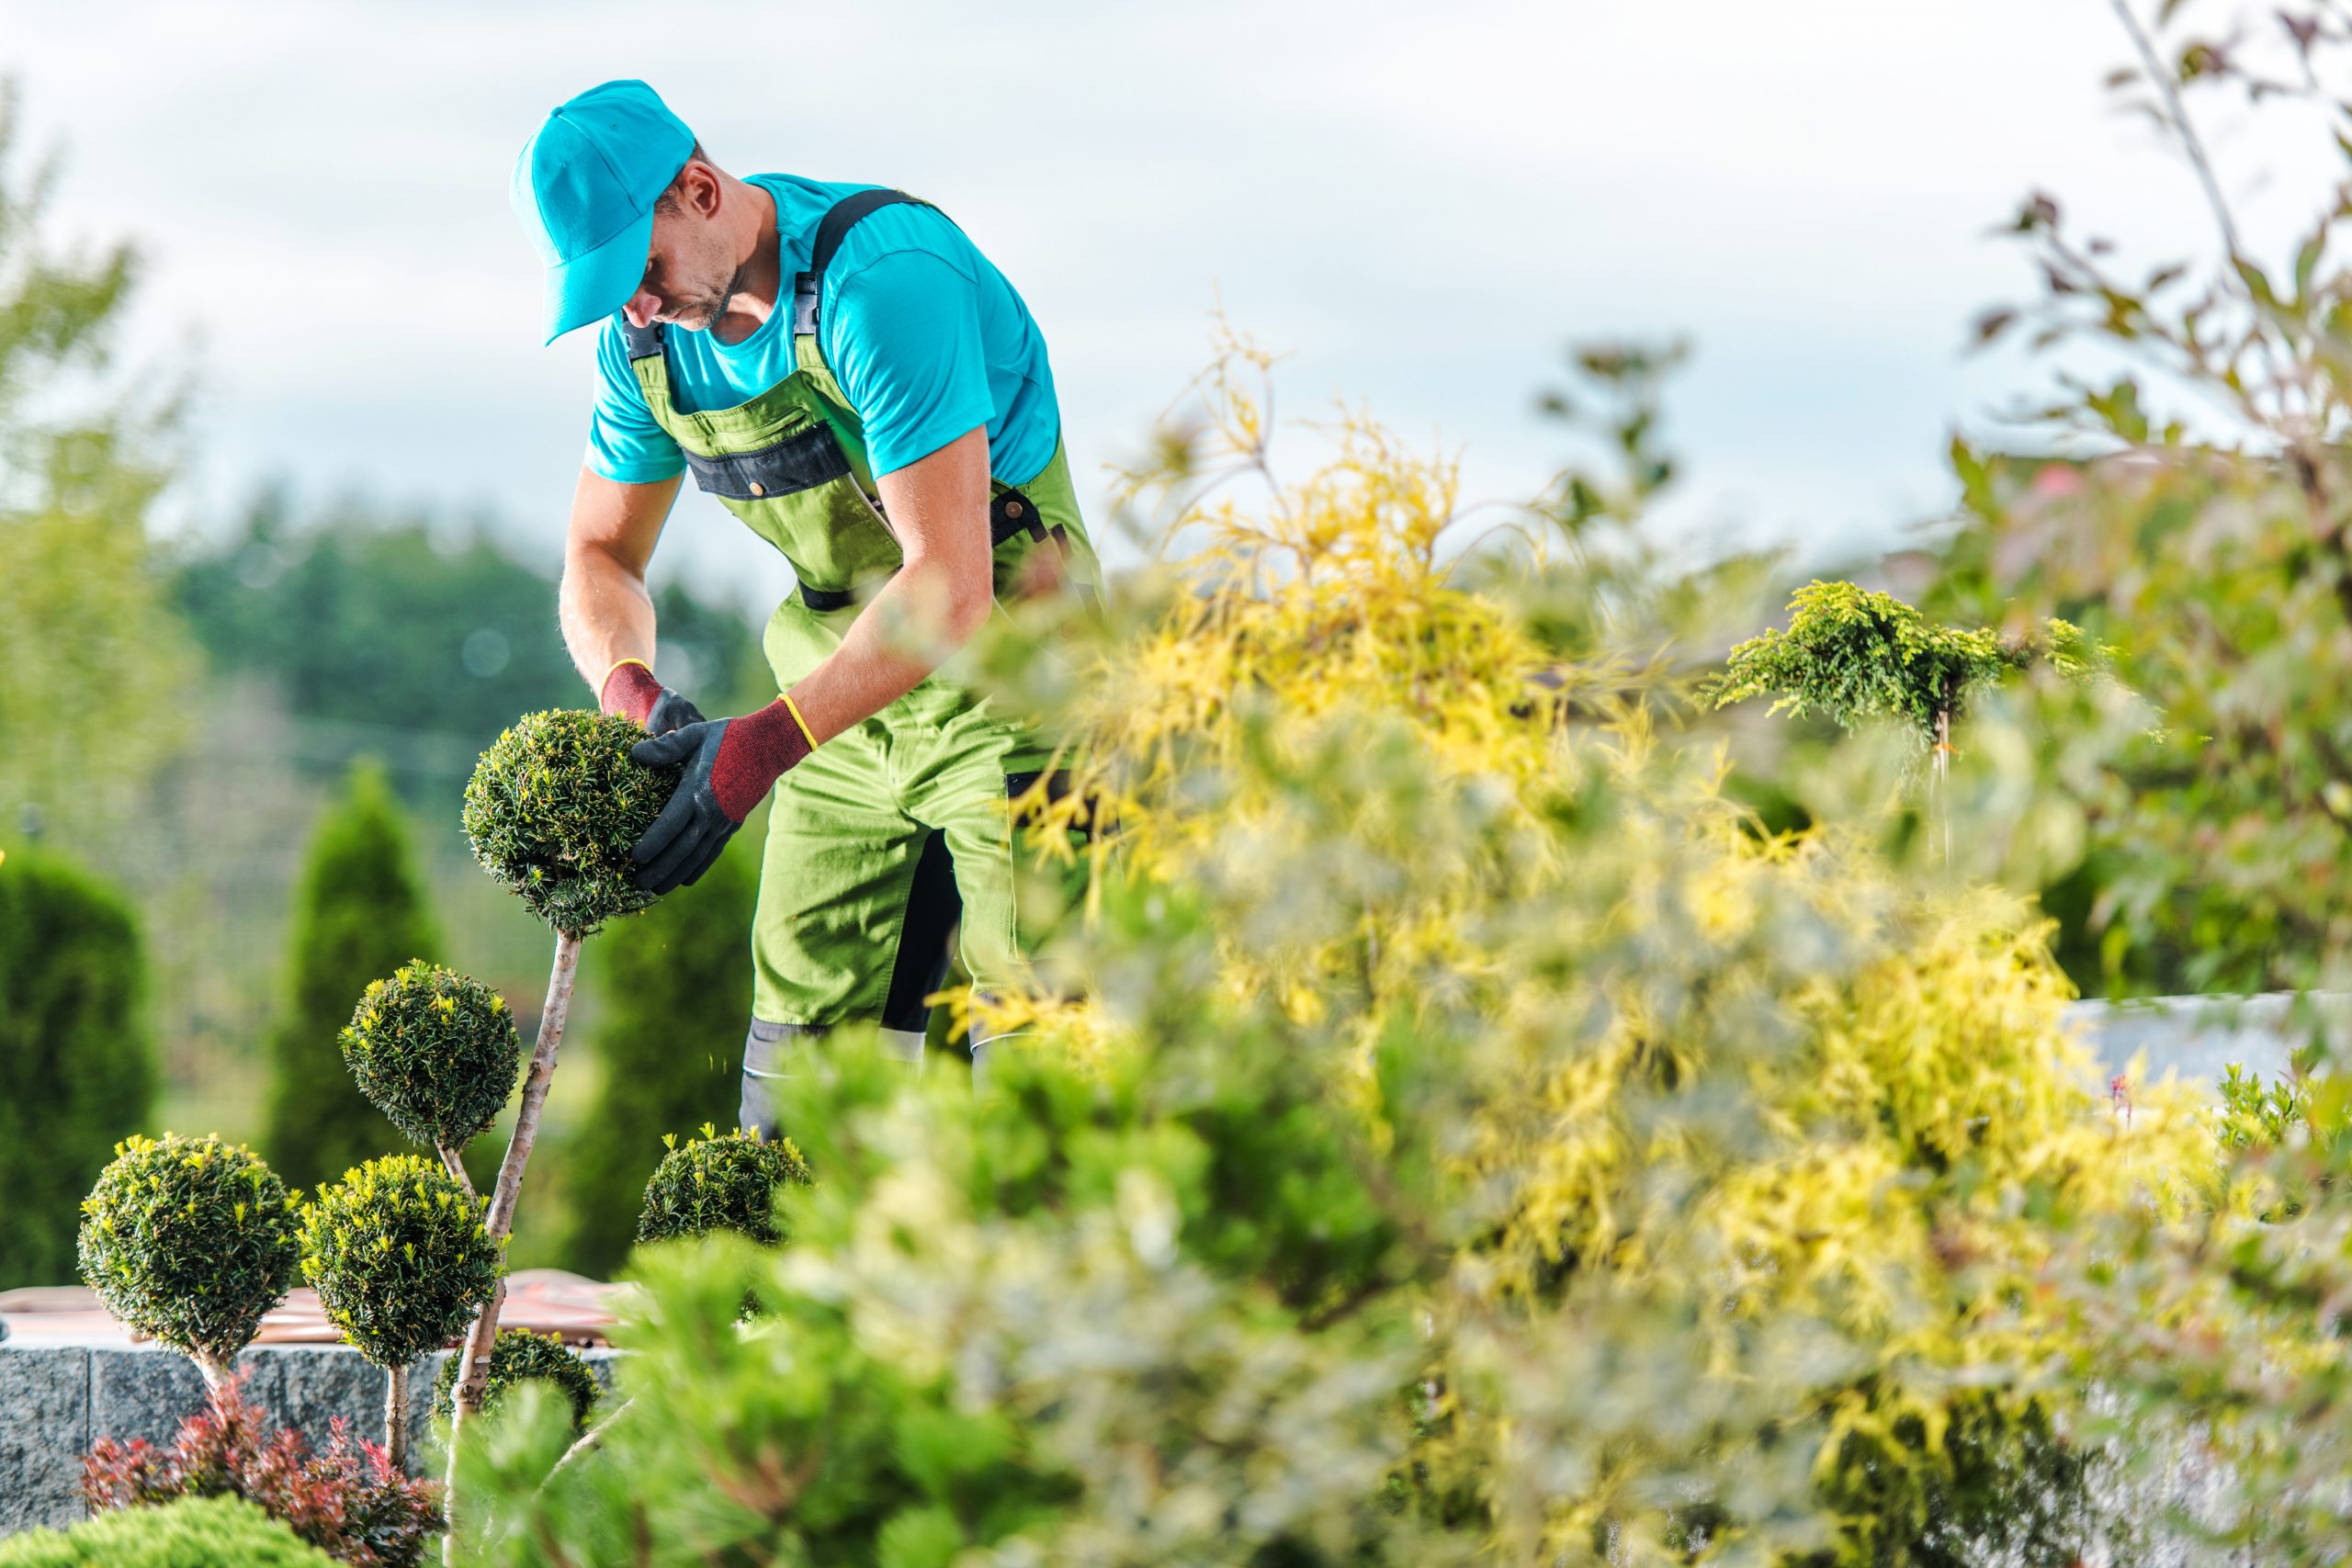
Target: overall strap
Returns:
[[807, 288], [641, 343]]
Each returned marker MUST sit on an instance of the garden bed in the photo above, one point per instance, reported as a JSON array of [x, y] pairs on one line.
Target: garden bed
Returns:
[[69, 1374]]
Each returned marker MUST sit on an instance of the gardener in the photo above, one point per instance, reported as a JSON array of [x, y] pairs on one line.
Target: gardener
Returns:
[[846, 373]]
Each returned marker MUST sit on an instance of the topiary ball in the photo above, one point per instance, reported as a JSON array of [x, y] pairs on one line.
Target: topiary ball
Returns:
[[517, 1355], [189, 1241], [400, 1256], [720, 1183], [553, 810], [435, 1051]]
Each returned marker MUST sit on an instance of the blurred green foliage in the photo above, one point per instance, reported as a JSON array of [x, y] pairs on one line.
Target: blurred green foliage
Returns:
[[196, 1532], [360, 914], [98, 666], [419, 623], [77, 1057]]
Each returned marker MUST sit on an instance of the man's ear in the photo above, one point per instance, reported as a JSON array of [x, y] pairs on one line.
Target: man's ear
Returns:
[[699, 184]]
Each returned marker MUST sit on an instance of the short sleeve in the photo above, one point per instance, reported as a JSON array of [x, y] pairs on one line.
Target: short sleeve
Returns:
[[624, 444], [904, 341]]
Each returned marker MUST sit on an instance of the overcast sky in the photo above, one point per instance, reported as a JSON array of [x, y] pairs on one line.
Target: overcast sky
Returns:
[[1421, 204]]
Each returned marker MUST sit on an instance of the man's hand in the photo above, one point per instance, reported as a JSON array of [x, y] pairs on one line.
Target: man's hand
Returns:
[[731, 764], [631, 688]]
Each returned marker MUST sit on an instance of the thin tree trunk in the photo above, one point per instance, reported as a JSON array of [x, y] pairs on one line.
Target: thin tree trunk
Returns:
[[473, 1365], [454, 1163], [217, 1374], [396, 1416]]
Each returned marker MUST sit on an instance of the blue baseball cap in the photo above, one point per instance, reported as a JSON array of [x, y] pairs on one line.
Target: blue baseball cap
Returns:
[[584, 189]]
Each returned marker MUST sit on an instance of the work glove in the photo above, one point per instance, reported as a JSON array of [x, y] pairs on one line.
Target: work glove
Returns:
[[629, 688], [732, 764]]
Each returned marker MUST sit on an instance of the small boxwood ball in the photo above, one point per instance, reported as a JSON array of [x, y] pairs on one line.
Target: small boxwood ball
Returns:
[[189, 1241], [400, 1256], [435, 1051], [553, 810], [724, 1182], [519, 1354]]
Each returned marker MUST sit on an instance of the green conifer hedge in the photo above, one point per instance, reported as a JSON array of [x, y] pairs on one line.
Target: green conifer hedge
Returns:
[[77, 1067]]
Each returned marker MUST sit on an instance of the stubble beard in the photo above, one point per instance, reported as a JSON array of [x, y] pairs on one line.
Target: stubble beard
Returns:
[[707, 311]]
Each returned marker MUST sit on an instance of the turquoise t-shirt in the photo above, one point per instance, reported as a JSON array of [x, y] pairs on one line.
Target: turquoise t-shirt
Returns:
[[925, 336]]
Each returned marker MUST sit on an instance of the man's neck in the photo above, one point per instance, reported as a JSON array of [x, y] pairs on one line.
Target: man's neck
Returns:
[[761, 277]]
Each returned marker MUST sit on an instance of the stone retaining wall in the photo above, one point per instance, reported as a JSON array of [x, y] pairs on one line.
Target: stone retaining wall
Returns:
[[54, 1399]]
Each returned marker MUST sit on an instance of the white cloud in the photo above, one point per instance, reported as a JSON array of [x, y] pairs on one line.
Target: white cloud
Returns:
[[1422, 203]]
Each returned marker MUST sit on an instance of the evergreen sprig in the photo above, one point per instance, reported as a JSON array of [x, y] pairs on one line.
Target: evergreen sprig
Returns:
[[519, 1355], [435, 1051], [721, 1181], [1854, 655], [400, 1256], [553, 810], [189, 1241]]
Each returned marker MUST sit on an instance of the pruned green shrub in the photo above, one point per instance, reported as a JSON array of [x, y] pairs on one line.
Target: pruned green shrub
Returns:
[[77, 1066], [553, 810], [721, 1181], [400, 1257], [190, 1240], [360, 912], [435, 1051], [196, 1532], [521, 1355]]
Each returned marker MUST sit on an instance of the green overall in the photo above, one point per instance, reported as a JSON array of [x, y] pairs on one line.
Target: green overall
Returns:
[[891, 833]]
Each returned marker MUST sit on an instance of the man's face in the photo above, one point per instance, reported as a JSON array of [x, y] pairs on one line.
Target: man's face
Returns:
[[689, 272]]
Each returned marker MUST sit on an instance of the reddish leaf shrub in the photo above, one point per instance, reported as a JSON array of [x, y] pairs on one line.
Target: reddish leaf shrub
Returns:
[[349, 1501]]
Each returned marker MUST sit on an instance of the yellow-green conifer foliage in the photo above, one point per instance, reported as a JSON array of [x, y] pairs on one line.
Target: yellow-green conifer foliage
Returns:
[[1775, 1130]]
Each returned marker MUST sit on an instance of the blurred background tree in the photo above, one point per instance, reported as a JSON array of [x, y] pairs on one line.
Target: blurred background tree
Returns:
[[77, 1059], [361, 914], [97, 693], [668, 1048]]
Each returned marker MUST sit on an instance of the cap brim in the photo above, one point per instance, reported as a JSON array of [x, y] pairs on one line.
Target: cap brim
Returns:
[[597, 283]]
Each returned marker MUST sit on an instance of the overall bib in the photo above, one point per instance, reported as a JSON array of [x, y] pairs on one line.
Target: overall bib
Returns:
[[887, 835]]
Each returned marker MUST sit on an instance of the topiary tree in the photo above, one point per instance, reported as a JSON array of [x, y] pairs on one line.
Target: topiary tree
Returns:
[[190, 1240], [521, 1355], [360, 913], [435, 1051], [77, 1068], [401, 1258], [721, 1181], [552, 811], [669, 1008]]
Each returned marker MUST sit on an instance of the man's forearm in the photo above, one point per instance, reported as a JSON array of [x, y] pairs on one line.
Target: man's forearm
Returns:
[[921, 617], [605, 612]]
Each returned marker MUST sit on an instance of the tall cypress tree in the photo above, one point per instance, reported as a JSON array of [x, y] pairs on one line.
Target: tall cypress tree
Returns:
[[674, 996], [77, 1067], [360, 915]]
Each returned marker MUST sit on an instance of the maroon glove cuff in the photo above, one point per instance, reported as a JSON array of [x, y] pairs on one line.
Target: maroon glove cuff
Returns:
[[756, 751], [629, 688]]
